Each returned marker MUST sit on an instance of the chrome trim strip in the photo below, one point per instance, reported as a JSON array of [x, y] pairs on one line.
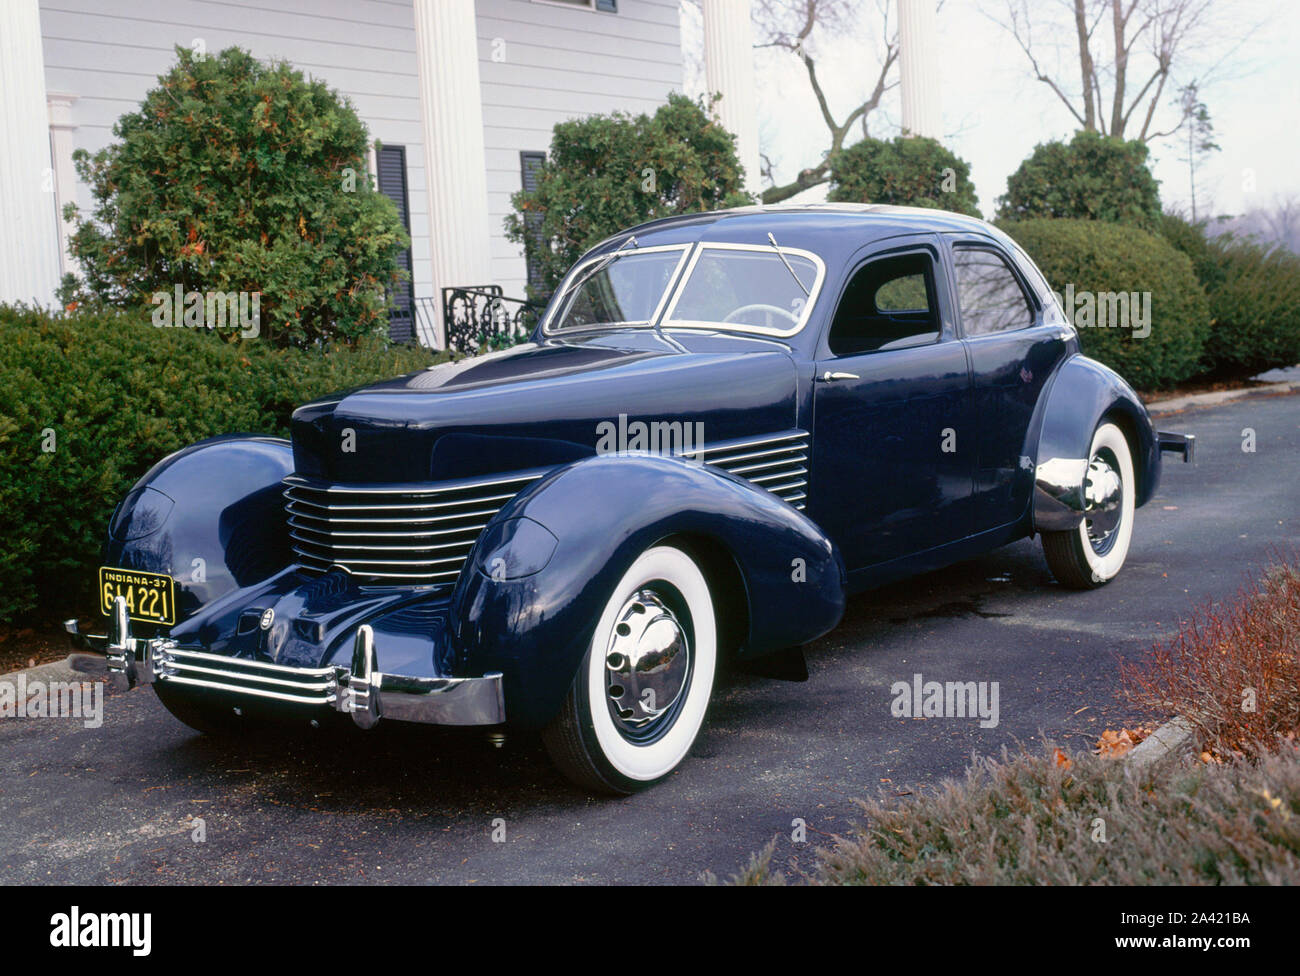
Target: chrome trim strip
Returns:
[[438, 488], [244, 662]]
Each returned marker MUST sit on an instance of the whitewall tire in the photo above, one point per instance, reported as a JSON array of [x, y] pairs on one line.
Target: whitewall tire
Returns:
[[643, 687], [1092, 554]]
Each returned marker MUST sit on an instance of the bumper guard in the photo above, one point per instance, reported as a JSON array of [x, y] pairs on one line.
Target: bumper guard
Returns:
[[362, 691]]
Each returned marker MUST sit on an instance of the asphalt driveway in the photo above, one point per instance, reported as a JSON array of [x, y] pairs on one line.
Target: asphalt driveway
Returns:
[[117, 804]]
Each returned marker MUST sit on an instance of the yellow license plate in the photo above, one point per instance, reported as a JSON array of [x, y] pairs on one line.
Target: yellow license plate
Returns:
[[150, 597]]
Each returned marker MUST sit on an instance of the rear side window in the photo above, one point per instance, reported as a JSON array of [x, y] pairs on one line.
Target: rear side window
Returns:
[[989, 294], [888, 304]]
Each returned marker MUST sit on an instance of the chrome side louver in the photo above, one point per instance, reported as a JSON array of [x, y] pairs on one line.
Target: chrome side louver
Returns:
[[776, 462]]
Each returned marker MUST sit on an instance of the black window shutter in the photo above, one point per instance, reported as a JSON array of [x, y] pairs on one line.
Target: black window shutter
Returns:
[[391, 162], [529, 163]]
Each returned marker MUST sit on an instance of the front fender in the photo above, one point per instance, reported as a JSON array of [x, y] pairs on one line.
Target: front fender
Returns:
[[1082, 392], [602, 512], [217, 501]]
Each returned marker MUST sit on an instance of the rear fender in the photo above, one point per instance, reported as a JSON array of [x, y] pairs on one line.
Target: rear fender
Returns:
[[1081, 394]]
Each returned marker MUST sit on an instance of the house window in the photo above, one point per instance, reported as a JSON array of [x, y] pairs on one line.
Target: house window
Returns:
[[608, 6], [529, 163], [390, 163]]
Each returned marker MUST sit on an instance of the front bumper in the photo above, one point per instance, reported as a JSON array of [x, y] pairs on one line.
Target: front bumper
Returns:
[[362, 691]]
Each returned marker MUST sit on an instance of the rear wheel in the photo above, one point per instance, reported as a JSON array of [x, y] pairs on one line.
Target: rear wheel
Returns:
[[1092, 554], [641, 692]]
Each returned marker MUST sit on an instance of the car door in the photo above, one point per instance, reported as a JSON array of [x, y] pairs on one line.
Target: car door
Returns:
[[892, 473], [1015, 337]]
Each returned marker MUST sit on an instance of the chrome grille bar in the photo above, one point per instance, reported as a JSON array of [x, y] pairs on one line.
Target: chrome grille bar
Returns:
[[366, 530]]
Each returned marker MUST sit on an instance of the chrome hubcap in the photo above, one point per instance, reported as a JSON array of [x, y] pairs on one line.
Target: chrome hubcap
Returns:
[[647, 663], [1103, 495]]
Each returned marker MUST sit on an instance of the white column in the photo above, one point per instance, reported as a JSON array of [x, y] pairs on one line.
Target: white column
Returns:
[[729, 71], [29, 235], [65, 174], [451, 107], [918, 65]]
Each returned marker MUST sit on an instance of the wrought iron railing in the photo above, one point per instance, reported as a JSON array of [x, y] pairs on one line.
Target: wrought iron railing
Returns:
[[478, 318]]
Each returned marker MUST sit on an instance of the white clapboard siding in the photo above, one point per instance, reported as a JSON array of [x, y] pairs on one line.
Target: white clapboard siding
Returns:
[[553, 62]]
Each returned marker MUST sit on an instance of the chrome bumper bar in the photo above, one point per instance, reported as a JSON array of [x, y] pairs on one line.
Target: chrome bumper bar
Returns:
[[1184, 444], [362, 691]]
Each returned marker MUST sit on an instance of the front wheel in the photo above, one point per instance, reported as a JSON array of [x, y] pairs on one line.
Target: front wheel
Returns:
[[1092, 554], [640, 694]]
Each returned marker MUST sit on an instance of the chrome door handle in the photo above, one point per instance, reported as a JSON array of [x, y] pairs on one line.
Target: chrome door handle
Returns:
[[829, 377]]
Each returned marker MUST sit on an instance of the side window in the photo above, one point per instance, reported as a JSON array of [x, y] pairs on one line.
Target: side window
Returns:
[[988, 293], [888, 304]]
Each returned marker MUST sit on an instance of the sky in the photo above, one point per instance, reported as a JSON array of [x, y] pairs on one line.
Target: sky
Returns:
[[994, 112]]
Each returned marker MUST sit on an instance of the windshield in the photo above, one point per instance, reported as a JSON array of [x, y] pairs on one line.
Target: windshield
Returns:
[[625, 291], [748, 288]]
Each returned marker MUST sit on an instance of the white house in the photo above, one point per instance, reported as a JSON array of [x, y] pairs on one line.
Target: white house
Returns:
[[461, 94]]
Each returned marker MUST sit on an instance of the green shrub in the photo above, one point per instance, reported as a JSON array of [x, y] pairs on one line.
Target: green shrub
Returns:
[[1092, 177], [117, 395], [1102, 259], [1254, 295], [606, 173], [904, 171], [238, 176], [1033, 820]]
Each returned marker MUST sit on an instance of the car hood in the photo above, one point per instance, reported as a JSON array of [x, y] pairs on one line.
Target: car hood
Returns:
[[542, 404]]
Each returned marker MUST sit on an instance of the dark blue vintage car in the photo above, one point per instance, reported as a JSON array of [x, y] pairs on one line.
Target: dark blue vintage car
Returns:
[[724, 423]]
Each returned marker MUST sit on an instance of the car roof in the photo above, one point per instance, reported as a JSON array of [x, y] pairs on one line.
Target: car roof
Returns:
[[833, 230], [868, 217]]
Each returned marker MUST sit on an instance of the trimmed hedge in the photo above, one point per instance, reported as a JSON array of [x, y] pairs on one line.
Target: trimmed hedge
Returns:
[[117, 395], [907, 171], [1092, 177], [1254, 295], [1098, 257]]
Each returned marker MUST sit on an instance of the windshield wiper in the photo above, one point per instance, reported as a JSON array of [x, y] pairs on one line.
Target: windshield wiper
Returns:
[[777, 247], [596, 269]]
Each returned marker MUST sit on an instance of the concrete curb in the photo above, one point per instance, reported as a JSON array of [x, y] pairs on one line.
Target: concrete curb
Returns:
[[1173, 405], [1176, 737]]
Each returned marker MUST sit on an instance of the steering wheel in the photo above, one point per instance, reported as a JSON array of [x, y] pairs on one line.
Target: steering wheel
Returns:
[[759, 307]]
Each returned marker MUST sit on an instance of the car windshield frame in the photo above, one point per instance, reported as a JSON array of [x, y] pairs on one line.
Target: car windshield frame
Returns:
[[572, 284], [679, 279], [668, 323]]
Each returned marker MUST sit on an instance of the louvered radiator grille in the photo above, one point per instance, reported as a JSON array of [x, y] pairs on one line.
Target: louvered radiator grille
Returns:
[[406, 534]]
